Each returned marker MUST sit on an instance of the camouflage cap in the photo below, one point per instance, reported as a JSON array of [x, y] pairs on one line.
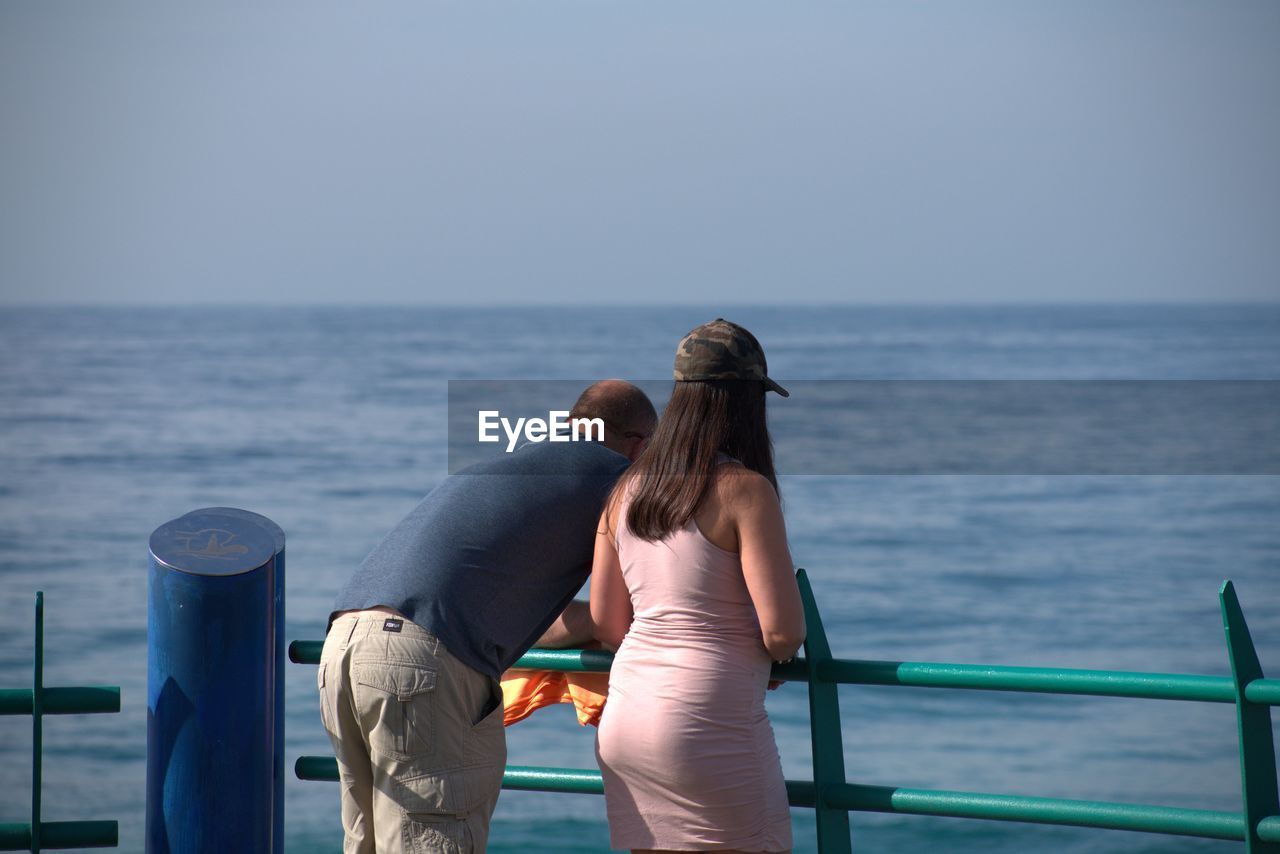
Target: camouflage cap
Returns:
[[721, 350]]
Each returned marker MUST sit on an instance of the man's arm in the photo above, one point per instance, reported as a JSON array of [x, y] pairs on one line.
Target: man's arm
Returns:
[[571, 629]]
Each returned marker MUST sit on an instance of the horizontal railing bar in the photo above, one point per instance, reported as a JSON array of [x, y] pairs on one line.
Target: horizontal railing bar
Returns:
[[1269, 829], [15, 836], [1173, 821], [581, 781], [305, 652], [61, 834], [566, 660], [1263, 691], [531, 778], [316, 768], [925, 674], [1108, 683], [79, 834], [86, 700]]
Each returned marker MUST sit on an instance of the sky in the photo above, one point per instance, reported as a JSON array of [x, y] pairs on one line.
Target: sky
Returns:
[[639, 152]]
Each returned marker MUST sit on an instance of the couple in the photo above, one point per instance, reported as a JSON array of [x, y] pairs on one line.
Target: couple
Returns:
[[691, 582]]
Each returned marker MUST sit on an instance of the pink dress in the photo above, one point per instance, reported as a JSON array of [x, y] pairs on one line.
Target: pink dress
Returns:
[[684, 745]]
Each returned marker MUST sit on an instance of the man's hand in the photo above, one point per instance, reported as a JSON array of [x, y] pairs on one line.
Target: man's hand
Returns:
[[571, 630]]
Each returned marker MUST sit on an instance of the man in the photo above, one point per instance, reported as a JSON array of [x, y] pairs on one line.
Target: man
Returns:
[[483, 568]]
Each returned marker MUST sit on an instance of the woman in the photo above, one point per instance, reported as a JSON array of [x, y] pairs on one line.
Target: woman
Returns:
[[693, 585]]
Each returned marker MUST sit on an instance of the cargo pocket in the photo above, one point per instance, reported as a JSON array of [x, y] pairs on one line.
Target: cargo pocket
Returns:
[[430, 833], [449, 812], [393, 701]]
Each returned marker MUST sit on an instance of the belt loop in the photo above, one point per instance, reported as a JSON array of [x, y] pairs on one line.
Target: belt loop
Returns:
[[354, 622]]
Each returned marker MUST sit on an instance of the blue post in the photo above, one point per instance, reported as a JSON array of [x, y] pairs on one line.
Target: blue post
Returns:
[[277, 662], [214, 708]]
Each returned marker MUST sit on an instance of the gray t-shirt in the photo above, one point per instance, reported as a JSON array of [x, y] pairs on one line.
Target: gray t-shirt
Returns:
[[494, 553]]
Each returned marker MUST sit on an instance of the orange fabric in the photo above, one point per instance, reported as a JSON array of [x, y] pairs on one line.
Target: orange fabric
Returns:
[[526, 691]]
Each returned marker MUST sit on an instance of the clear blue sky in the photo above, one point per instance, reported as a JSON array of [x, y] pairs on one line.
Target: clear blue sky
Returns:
[[1022, 151]]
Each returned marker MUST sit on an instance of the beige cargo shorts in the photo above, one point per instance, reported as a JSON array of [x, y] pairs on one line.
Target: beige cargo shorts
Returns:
[[418, 736]]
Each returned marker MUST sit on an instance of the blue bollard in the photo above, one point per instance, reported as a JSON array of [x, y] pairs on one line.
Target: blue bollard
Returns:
[[277, 662], [214, 699]]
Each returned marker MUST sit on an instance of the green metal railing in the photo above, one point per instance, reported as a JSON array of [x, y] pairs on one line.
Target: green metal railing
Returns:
[[833, 797], [39, 701]]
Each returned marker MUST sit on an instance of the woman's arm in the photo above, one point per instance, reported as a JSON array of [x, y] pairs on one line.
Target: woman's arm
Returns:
[[610, 600], [766, 563]]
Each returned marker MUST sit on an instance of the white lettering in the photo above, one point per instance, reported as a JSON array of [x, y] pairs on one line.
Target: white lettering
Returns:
[[512, 434], [588, 429], [487, 424], [559, 421], [535, 430], [556, 428]]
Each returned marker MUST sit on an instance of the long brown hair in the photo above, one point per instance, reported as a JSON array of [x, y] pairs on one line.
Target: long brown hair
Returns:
[[672, 475]]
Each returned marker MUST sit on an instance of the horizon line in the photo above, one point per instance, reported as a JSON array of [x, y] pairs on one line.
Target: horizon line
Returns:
[[567, 304]]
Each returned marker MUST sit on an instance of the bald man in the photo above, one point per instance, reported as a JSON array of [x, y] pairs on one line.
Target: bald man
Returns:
[[483, 568]]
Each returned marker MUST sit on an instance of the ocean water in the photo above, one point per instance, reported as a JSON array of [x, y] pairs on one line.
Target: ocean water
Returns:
[[332, 422]]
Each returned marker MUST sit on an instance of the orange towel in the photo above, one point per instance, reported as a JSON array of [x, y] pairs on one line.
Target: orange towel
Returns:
[[526, 691]]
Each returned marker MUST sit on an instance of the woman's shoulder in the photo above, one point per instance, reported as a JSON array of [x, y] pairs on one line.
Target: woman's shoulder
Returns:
[[737, 485]]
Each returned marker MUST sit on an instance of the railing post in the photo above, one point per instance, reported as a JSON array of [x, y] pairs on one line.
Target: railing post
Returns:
[[824, 728], [37, 725], [1257, 748], [38, 702], [214, 758]]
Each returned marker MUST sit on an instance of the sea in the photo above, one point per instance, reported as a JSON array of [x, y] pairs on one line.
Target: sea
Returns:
[[333, 422]]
